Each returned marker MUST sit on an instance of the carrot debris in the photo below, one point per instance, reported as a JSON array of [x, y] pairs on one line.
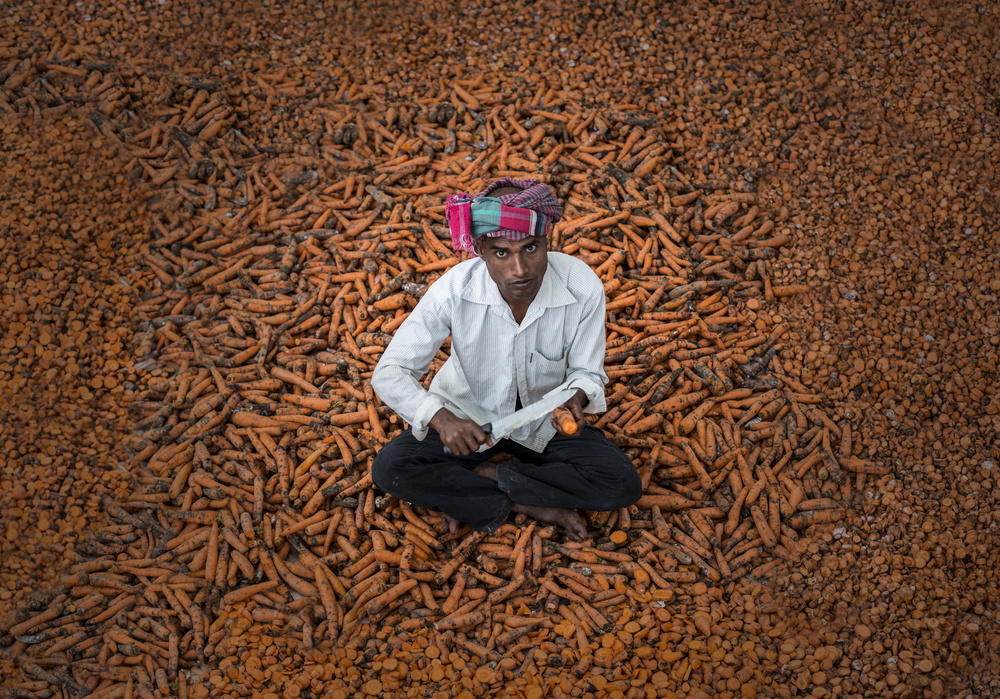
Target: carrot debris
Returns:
[[272, 281]]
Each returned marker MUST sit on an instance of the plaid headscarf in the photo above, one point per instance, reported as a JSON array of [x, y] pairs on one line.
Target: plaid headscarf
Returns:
[[532, 211]]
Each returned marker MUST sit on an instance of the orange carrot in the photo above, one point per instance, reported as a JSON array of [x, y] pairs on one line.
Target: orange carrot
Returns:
[[565, 420], [666, 502], [766, 535], [801, 520], [377, 604], [247, 592], [460, 621], [644, 425]]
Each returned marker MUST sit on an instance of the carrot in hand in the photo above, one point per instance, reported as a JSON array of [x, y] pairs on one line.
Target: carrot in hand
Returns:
[[564, 418]]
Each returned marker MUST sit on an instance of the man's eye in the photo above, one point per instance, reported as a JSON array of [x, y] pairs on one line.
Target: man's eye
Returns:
[[500, 253], [531, 248]]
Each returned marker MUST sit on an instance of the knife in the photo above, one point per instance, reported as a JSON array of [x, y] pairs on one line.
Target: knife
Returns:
[[503, 427]]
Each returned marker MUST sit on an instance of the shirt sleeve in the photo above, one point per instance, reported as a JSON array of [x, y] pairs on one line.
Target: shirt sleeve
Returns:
[[397, 375], [585, 369]]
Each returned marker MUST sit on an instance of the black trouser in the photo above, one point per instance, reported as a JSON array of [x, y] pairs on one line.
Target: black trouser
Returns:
[[585, 471]]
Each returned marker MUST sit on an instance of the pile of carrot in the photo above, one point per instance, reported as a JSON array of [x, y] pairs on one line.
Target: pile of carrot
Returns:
[[275, 280]]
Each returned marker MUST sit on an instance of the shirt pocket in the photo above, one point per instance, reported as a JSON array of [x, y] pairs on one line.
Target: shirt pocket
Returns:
[[546, 373]]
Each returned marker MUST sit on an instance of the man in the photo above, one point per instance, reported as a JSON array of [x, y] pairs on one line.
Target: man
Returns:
[[522, 321]]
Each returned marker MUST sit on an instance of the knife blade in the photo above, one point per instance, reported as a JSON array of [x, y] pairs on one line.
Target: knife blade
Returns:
[[528, 414], [503, 427]]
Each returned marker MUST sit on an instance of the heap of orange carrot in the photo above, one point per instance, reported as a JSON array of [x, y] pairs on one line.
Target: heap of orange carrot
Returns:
[[269, 303]]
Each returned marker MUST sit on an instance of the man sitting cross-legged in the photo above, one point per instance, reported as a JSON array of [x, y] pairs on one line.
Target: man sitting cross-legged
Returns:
[[523, 321]]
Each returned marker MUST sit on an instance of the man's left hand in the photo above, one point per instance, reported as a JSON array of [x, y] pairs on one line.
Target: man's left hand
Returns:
[[575, 406]]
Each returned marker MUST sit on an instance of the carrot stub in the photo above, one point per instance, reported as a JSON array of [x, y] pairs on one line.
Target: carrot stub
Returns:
[[565, 420]]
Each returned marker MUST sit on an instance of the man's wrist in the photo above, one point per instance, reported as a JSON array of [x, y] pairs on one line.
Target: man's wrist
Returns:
[[580, 397], [441, 414], [422, 417], [592, 399]]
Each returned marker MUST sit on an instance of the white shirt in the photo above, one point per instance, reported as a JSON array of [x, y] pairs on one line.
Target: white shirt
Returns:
[[559, 344]]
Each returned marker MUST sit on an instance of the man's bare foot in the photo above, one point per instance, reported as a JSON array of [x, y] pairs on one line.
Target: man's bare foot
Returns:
[[570, 520], [451, 522]]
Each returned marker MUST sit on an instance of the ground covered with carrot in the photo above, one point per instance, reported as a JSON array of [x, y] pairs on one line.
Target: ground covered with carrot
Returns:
[[213, 220]]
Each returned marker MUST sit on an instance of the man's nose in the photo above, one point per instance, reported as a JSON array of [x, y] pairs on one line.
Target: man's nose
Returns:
[[519, 266]]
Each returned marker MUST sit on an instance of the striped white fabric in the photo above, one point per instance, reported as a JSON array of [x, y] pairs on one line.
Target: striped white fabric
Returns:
[[560, 343]]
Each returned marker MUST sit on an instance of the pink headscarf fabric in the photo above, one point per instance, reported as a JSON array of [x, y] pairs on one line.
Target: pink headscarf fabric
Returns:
[[531, 212]]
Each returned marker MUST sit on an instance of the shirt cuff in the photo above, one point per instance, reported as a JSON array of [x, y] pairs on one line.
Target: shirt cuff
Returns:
[[427, 410], [595, 394]]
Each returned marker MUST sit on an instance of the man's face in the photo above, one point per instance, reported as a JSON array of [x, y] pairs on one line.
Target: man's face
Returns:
[[516, 267]]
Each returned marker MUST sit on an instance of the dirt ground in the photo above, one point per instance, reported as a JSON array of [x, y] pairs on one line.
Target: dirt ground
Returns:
[[869, 131]]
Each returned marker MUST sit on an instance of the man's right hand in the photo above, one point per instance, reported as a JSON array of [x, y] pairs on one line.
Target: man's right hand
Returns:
[[461, 436]]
